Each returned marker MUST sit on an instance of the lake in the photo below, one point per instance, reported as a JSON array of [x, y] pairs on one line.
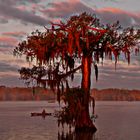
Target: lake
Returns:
[[116, 121]]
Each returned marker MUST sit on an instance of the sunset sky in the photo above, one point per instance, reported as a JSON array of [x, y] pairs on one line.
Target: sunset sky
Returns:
[[18, 18]]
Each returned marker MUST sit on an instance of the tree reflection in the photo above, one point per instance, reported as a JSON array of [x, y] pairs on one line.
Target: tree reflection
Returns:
[[76, 136]]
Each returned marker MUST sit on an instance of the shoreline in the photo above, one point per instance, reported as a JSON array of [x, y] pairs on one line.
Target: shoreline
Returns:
[[26, 94]]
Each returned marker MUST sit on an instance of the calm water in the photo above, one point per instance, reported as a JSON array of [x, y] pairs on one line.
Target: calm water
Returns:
[[116, 121]]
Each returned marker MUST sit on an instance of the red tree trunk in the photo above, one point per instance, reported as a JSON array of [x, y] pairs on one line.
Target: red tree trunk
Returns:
[[84, 123]]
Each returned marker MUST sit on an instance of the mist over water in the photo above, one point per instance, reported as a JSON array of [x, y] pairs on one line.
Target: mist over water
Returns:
[[116, 121]]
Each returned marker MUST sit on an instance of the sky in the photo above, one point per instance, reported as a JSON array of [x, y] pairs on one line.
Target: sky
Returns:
[[18, 18]]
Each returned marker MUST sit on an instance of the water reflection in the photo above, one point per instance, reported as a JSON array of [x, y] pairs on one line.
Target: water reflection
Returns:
[[76, 136]]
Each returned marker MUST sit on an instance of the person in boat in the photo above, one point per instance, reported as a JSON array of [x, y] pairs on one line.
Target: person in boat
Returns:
[[43, 112]]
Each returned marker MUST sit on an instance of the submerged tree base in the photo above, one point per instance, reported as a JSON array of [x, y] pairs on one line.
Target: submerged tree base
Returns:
[[92, 129]]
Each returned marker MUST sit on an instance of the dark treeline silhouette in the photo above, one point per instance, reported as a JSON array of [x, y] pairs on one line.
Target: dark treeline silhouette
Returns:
[[26, 94]]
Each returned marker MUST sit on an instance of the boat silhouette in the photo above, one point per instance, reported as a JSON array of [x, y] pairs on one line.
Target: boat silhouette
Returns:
[[43, 114]]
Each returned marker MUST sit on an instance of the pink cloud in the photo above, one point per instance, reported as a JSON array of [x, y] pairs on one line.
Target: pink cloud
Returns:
[[35, 6], [8, 40], [21, 7], [65, 9], [56, 20], [110, 14], [117, 11], [14, 34], [73, 1]]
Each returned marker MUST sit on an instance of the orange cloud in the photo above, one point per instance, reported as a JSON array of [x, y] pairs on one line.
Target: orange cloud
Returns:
[[8, 40], [118, 11], [110, 9], [73, 1]]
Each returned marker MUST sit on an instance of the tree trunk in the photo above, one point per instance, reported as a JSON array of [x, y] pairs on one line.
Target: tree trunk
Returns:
[[84, 123]]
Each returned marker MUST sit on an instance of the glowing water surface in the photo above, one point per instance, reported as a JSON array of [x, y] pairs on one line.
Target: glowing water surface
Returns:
[[116, 121]]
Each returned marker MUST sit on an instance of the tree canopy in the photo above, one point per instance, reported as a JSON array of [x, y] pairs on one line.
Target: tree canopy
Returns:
[[56, 50]]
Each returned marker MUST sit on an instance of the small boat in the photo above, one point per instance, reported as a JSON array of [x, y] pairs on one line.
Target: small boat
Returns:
[[43, 114]]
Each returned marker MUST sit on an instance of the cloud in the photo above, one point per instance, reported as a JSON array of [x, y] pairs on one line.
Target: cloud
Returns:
[[7, 44], [6, 49], [32, 11], [18, 34], [11, 81], [110, 15], [125, 76], [4, 40], [116, 81], [3, 20], [18, 2], [111, 0], [106, 15], [25, 11], [65, 9], [12, 12], [5, 67]]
